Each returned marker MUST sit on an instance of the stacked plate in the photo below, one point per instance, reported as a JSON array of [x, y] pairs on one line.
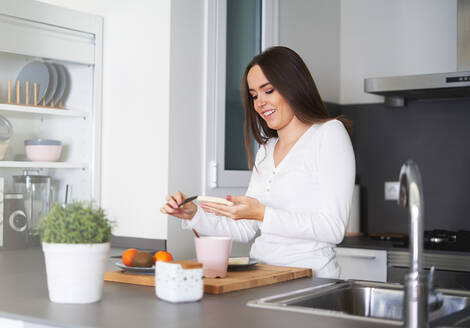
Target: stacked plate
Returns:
[[53, 82]]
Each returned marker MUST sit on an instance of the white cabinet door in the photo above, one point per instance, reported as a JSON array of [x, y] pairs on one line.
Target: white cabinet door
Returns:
[[362, 264], [358, 37]]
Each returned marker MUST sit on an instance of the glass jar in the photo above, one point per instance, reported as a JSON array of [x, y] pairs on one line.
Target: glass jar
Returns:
[[37, 194]]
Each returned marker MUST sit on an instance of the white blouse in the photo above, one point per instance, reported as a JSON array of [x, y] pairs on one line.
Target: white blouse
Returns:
[[307, 198]]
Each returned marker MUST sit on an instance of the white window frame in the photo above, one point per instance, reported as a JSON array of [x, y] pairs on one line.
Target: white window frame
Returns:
[[215, 175]]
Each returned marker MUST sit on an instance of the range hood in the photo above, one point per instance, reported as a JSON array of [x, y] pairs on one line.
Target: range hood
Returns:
[[398, 89]]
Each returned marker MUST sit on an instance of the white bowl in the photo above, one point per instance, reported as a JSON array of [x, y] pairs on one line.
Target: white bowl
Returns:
[[43, 150]]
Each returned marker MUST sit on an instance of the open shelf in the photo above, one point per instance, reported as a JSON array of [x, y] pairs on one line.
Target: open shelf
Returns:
[[45, 165], [38, 110]]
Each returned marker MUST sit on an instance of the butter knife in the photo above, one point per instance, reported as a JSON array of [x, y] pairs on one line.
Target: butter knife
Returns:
[[187, 200]]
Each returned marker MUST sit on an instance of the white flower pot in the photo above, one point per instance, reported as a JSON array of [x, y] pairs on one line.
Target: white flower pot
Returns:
[[75, 272]]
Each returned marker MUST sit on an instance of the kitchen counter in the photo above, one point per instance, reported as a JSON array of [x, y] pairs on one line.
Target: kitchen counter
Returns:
[[369, 243], [24, 296]]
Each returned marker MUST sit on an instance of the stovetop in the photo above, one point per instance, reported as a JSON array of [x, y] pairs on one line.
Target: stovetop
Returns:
[[438, 239], [447, 240]]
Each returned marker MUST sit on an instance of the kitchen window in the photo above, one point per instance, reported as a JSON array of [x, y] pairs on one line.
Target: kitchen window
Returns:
[[236, 30]]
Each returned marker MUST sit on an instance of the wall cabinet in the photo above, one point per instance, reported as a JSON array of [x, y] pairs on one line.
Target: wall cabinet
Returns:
[[343, 42], [362, 264]]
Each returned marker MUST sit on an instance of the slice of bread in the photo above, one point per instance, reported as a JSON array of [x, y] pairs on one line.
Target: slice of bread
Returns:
[[219, 200], [238, 260]]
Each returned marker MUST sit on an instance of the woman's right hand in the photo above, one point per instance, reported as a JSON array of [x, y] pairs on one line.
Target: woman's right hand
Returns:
[[186, 212]]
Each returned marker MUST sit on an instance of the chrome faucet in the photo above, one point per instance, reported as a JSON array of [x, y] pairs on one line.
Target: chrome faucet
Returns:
[[420, 296], [411, 196]]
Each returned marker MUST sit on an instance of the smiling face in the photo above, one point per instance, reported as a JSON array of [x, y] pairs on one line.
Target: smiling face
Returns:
[[267, 101]]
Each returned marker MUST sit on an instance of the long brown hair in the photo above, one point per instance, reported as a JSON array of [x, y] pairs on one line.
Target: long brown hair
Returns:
[[289, 75]]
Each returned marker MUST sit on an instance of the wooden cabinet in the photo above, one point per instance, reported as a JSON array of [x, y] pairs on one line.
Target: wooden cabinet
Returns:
[[362, 264]]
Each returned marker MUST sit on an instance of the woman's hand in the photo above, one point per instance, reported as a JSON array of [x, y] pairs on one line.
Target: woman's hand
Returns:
[[243, 207], [186, 212]]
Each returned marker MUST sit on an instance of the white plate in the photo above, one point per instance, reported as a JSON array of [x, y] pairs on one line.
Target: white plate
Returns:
[[35, 71], [52, 83], [219, 200], [135, 269]]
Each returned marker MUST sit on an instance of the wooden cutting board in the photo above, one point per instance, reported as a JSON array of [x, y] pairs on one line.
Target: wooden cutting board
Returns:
[[258, 275]]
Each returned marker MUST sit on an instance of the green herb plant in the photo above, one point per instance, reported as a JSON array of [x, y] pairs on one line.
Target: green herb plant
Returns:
[[77, 223]]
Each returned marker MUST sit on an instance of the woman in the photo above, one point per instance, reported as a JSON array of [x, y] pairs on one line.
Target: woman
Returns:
[[301, 186]]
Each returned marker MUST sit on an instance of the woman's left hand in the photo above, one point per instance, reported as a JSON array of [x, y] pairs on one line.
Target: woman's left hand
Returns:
[[243, 207]]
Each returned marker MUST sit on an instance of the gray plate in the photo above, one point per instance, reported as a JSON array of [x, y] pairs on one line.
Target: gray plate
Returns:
[[241, 267], [64, 75], [35, 71], [52, 82], [61, 83], [134, 269]]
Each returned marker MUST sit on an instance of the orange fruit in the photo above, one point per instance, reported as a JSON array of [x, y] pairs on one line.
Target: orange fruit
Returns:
[[128, 256], [163, 256]]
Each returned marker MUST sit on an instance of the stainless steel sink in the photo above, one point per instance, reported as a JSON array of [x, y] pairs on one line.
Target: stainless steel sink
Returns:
[[363, 300]]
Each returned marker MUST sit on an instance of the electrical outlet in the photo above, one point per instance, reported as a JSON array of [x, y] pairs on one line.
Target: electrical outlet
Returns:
[[392, 189]]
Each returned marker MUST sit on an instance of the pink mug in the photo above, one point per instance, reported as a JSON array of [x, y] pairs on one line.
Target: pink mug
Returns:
[[213, 253]]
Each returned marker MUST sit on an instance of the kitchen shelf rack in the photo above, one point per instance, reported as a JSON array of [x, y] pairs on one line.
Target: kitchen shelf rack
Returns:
[[45, 165], [35, 31], [43, 111]]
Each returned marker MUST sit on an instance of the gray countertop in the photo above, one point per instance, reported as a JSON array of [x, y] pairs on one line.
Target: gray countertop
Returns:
[[24, 296]]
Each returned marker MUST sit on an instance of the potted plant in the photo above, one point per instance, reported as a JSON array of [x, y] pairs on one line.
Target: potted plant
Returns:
[[75, 241]]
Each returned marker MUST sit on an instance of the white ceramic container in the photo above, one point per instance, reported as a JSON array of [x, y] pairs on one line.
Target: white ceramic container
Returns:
[[179, 281], [3, 148], [75, 272], [6, 131]]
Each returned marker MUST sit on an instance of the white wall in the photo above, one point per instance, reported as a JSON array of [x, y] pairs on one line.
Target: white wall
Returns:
[[186, 114], [136, 74]]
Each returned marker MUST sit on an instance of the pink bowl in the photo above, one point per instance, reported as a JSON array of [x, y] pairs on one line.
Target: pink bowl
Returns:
[[43, 153]]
